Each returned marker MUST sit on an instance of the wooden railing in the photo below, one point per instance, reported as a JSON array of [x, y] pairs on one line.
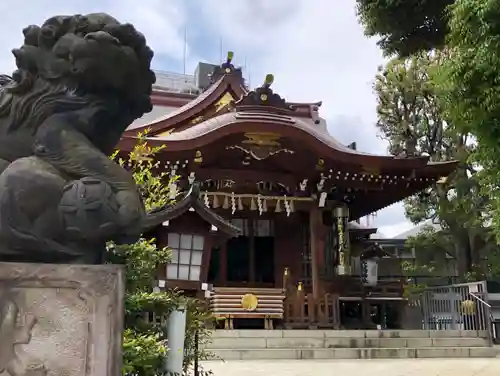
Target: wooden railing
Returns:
[[303, 311], [349, 286], [229, 303]]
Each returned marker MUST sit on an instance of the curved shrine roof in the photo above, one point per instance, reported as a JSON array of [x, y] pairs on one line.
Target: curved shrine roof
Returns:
[[228, 108], [229, 123], [228, 81], [192, 201]]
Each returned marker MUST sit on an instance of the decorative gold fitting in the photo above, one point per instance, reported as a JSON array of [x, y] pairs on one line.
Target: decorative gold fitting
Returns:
[[198, 158]]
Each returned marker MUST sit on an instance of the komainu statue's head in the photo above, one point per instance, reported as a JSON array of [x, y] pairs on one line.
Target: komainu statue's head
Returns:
[[75, 62]]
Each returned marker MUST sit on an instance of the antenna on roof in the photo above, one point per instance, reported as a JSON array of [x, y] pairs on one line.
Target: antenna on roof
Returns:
[[221, 54], [249, 79], [245, 67], [185, 49]]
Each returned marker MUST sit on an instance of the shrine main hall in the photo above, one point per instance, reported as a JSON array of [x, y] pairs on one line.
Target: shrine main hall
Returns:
[[267, 204]]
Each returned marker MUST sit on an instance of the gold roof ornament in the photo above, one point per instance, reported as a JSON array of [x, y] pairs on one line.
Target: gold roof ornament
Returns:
[[224, 101], [264, 96], [320, 165], [229, 59], [198, 157], [268, 81], [249, 302]]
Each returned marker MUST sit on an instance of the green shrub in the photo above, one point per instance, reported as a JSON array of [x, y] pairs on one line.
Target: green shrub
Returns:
[[145, 346]]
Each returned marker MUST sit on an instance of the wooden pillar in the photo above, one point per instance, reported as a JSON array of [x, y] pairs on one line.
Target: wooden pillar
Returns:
[[252, 251], [365, 313], [206, 256], [314, 223], [223, 262]]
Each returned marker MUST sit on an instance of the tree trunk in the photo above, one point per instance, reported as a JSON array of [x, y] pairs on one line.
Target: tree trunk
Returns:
[[463, 251]]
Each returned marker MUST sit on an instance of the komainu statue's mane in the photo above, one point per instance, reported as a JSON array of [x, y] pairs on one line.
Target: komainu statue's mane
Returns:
[[72, 62], [5, 80]]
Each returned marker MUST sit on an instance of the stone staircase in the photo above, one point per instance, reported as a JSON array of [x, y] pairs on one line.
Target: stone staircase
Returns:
[[349, 344]]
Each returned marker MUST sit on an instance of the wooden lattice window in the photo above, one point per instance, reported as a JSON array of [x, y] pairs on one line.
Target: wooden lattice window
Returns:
[[187, 253]]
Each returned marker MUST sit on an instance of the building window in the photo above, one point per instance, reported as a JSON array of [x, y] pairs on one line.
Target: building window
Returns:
[[187, 252], [263, 227], [260, 227], [242, 224]]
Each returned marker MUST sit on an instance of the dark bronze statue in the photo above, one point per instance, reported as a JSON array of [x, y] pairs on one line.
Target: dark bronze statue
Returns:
[[81, 80]]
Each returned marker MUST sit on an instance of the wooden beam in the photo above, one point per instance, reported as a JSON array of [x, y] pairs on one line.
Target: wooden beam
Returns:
[[248, 175], [293, 180]]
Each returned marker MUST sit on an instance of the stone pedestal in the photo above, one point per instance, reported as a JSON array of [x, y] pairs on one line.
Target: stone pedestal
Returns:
[[61, 320]]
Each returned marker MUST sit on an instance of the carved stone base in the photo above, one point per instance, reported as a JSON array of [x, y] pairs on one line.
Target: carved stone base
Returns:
[[61, 319]]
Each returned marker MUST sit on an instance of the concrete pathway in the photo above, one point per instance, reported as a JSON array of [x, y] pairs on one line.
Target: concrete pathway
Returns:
[[375, 367]]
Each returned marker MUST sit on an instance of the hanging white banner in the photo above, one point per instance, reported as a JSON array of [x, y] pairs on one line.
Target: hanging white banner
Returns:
[[369, 272]]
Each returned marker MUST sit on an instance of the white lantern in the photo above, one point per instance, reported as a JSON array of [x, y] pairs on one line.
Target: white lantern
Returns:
[[341, 270], [369, 272]]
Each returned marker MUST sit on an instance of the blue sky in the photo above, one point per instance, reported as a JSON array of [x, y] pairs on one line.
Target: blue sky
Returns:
[[315, 49]]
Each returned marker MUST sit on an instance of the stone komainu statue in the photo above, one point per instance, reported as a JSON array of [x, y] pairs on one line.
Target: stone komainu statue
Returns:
[[81, 80]]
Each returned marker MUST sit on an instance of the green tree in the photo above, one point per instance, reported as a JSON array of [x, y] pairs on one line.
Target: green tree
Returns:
[[411, 118], [145, 344], [405, 27], [470, 82]]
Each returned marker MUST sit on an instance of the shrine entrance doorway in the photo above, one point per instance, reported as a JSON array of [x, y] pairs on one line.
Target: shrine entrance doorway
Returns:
[[246, 260]]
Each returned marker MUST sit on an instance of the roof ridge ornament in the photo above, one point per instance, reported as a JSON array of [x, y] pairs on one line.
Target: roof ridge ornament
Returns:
[[225, 68], [264, 96]]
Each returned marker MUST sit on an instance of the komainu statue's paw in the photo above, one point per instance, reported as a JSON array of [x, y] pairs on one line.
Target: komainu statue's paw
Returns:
[[131, 209], [90, 210]]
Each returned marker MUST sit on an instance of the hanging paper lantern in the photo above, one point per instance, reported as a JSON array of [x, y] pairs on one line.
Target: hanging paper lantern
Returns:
[[225, 204], [277, 209], [253, 207], [240, 203], [215, 203], [342, 214], [369, 272]]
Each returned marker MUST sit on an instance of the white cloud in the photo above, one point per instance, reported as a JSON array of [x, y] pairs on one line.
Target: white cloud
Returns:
[[315, 48], [396, 229], [162, 22]]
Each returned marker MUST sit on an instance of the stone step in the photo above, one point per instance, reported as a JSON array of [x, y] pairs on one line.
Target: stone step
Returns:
[[355, 353], [243, 333], [326, 343]]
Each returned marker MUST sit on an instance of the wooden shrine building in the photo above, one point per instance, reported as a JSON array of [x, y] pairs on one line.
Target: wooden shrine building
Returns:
[[266, 204]]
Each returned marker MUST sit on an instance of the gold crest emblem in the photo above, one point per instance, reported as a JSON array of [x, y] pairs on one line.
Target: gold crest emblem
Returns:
[[249, 302]]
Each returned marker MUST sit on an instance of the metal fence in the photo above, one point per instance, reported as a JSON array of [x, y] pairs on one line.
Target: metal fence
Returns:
[[461, 306]]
